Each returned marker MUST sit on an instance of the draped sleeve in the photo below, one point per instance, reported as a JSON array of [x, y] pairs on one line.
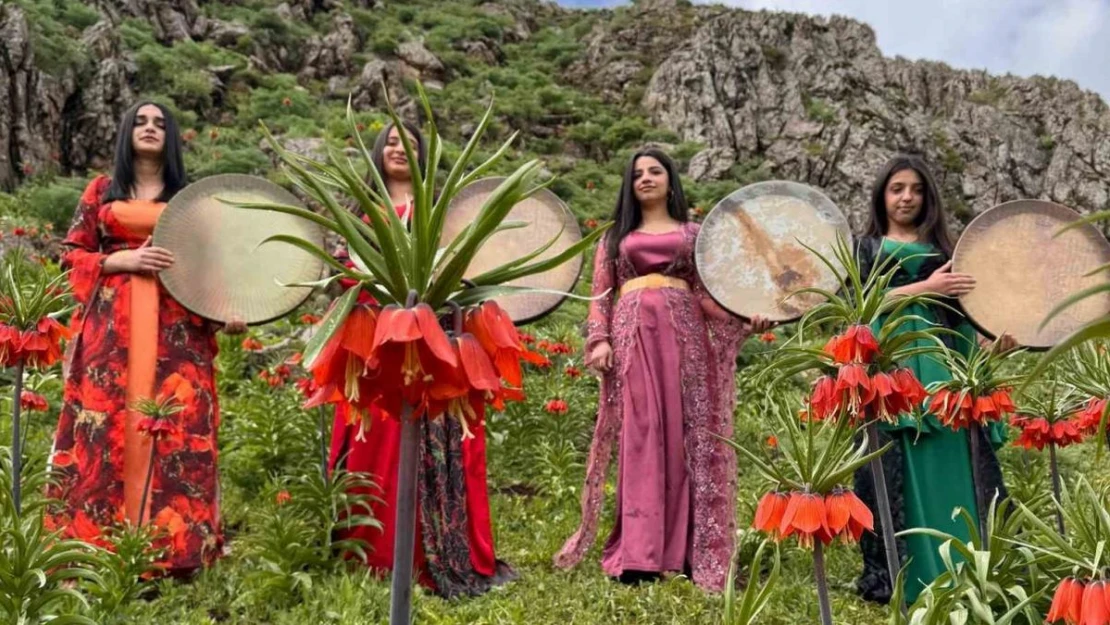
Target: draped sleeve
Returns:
[[728, 331], [599, 321], [83, 257]]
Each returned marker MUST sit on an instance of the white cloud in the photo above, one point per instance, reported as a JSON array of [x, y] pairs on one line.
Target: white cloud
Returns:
[[1063, 38]]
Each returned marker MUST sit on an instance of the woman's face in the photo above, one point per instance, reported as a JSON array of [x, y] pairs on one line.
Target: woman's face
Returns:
[[394, 161], [905, 195], [650, 181], [148, 134]]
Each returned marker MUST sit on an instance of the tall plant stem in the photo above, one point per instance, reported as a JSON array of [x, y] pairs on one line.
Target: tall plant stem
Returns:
[[149, 478], [977, 480], [17, 449], [822, 583], [323, 444], [886, 519], [1055, 470], [405, 531]]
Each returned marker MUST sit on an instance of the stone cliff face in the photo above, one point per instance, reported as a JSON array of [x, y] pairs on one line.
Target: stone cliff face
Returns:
[[50, 119], [783, 95], [814, 100]]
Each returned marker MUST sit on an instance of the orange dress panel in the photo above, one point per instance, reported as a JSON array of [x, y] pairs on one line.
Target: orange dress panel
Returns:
[[139, 216]]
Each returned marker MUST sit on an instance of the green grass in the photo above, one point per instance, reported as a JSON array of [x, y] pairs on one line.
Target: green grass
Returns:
[[536, 465], [528, 532], [266, 438]]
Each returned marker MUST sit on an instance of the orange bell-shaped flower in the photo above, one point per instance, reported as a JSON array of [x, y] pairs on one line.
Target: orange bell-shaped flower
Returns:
[[1067, 602], [41, 347], [847, 516], [805, 516], [769, 513], [952, 409], [1091, 415], [1035, 431], [856, 345], [1003, 401], [497, 335], [910, 388], [410, 342], [824, 402], [885, 400], [1094, 610], [342, 369], [10, 340], [854, 386], [1066, 432], [462, 391]]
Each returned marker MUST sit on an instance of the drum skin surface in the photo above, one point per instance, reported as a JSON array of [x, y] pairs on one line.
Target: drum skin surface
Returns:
[[222, 270], [750, 253], [1023, 270]]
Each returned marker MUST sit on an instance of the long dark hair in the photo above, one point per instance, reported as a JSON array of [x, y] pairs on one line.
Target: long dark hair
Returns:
[[627, 215], [377, 154], [123, 169], [930, 222]]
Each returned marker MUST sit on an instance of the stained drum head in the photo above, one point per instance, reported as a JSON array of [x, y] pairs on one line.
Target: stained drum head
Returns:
[[750, 255]]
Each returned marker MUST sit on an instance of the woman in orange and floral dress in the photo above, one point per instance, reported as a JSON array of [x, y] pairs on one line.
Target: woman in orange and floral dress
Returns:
[[133, 341]]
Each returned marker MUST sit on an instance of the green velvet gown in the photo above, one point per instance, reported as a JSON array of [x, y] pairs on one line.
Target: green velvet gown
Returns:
[[937, 460]]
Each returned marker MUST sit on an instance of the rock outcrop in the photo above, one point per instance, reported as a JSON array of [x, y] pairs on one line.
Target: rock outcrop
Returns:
[[767, 94]]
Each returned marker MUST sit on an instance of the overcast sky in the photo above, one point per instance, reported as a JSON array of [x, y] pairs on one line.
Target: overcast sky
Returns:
[[1063, 38]]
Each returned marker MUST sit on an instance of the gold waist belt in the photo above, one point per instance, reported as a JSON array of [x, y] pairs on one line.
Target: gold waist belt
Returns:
[[653, 281]]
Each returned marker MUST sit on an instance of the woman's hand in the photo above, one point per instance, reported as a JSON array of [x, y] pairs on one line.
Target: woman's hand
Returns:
[[144, 259], [600, 357], [235, 326], [1004, 343], [944, 282], [760, 324]]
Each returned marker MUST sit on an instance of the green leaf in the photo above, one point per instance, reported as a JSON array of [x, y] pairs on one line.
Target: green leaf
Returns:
[[296, 211], [302, 244], [329, 325], [755, 599], [516, 270], [388, 247], [477, 295], [1095, 330], [1073, 299], [449, 273], [1083, 221]]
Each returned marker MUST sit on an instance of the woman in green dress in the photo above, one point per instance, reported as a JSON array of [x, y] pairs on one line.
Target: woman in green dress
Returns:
[[928, 469]]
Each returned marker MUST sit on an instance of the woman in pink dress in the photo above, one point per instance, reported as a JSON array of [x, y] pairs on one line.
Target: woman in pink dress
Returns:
[[667, 354]]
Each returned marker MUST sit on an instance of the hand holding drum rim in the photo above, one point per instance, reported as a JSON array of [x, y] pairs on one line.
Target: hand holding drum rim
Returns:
[[144, 259], [1001, 345], [235, 326], [944, 282], [759, 324]]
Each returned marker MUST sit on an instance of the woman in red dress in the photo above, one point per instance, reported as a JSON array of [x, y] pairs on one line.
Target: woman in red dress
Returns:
[[133, 342], [454, 547]]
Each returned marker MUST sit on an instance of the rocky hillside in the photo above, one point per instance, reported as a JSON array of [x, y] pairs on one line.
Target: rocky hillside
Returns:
[[738, 95]]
